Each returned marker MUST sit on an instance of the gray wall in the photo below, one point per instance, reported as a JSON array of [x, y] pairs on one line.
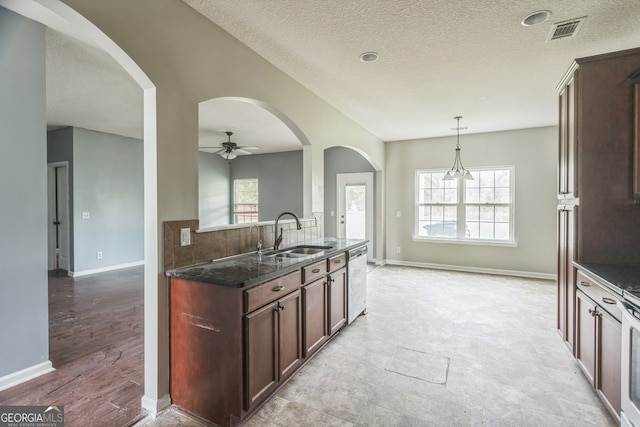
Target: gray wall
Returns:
[[280, 181], [533, 152], [60, 149], [108, 183], [24, 331], [342, 160], [214, 184]]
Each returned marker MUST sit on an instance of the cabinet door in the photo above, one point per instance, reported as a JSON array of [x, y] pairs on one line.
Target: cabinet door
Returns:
[[337, 283], [586, 335], [261, 354], [314, 302], [289, 311], [567, 154], [566, 273], [609, 360]]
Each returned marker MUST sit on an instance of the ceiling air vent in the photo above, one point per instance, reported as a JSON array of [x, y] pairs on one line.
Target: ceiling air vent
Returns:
[[564, 29]]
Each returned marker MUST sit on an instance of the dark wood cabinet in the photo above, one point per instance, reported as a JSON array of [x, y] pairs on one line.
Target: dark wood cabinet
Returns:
[[598, 205], [232, 348], [337, 284], [316, 323], [636, 136], [598, 339], [609, 360], [273, 348], [586, 335], [566, 272], [261, 354], [567, 135], [597, 136]]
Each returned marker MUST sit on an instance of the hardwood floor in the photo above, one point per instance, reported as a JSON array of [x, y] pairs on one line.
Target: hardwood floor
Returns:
[[96, 346]]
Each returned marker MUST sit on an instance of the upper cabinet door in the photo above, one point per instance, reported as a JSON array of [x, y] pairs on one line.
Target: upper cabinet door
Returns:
[[636, 138], [567, 140]]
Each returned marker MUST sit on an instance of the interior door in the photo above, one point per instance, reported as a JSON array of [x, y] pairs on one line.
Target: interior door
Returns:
[[355, 207], [59, 223]]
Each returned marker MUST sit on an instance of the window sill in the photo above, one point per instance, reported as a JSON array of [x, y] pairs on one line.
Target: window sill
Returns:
[[503, 243]]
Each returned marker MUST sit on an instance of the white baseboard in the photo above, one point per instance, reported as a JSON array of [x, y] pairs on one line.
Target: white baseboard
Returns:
[[104, 269], [26, 374], [156, 407], [527, 274]]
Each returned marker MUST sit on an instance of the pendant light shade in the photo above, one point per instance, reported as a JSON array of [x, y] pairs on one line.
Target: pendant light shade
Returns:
[[457, 171]]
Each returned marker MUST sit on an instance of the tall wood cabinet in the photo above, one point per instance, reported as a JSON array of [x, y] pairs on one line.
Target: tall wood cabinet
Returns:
[[598, 195]]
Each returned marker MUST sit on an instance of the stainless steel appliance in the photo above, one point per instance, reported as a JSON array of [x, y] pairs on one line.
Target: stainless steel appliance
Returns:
[[630, 359], [357, 285]]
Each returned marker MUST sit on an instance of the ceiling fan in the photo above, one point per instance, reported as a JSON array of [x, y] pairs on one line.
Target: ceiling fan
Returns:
[[230, 150]]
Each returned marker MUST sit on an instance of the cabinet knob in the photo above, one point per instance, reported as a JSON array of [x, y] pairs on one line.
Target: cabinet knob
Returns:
[[278, 288]]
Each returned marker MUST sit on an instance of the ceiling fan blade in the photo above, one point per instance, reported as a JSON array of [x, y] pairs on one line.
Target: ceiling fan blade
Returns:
[[249, 148], [241, 151]]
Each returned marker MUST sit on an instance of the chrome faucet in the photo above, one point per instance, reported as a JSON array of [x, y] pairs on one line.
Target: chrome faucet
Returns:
[[278, 240], [259, 244]]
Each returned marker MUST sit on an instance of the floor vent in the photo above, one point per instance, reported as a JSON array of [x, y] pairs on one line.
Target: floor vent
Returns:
[[564, 29]]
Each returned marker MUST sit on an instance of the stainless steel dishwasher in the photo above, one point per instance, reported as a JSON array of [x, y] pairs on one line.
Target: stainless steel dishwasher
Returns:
[[357, 285]]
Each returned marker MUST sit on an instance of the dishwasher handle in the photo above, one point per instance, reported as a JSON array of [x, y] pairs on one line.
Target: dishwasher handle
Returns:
[[355, 253]]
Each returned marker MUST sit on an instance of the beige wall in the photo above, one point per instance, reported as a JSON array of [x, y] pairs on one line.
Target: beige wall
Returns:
[[189, 60], [533, 152]]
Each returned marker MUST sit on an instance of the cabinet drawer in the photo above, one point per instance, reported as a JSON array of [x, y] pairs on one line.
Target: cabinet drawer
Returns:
[[597, 292], [270, 291], [337, 262], [314, 271]]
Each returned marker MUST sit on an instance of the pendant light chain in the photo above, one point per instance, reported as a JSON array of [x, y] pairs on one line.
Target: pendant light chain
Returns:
[[457, 170]]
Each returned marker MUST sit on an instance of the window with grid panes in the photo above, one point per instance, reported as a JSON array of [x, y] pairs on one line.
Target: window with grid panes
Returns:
[[467, 210], [245, 201]]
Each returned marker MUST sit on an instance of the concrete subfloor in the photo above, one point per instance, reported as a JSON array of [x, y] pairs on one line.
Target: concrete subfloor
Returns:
[[438, 348]]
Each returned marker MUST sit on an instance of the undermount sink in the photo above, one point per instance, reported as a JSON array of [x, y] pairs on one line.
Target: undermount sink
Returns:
[[308, 250], [299, 251]]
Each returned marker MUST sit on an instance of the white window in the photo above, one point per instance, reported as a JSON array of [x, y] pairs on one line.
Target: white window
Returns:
[[245, 201], [465, 210]]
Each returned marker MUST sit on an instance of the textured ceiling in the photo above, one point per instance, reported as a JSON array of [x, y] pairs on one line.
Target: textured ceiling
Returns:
[[438, 59]]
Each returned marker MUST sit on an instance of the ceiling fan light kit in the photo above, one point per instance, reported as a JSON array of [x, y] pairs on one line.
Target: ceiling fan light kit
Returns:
[[229, 150]]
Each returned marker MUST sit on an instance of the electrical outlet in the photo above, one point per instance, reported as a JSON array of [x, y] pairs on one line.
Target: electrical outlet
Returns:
[[399, 214], [185, 236], [398, 249], [99, 255], [86, 215]]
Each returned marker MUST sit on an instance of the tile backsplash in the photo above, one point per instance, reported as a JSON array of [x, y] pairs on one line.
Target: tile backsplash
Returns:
[[209, 245]]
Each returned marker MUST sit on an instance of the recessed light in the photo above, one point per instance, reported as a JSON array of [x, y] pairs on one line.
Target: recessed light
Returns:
[[537, 17], [369, 57]]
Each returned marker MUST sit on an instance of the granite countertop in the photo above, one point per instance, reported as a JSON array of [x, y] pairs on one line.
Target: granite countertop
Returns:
[[623, 280], [249, 269]]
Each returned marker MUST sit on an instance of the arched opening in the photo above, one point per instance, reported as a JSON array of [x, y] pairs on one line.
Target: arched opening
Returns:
[[352, 190], [274, 161], [57, 15]]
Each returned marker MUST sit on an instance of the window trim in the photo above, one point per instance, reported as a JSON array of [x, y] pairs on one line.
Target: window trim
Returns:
[[235, 213], [512, 242]]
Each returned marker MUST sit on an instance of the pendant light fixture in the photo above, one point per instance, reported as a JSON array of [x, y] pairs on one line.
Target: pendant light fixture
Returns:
[[457, 170]]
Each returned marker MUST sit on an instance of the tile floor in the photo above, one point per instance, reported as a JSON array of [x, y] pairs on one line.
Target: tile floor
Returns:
[[438, 348]]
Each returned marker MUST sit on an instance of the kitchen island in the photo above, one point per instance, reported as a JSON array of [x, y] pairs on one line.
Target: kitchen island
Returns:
[[241, 326]]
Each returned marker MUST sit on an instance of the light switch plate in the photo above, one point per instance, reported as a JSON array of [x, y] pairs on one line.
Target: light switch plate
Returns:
[[86, 215], [185, 236]]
